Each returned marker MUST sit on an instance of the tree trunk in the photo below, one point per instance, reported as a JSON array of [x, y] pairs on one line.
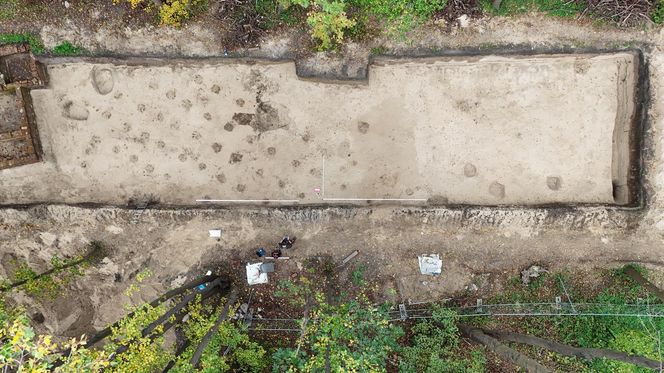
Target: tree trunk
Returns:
[[180, 306], [168, 295], [177, 311], [216, 284], [583, 353], [89, 255], [196, 357], [178, 352], [505, 352]]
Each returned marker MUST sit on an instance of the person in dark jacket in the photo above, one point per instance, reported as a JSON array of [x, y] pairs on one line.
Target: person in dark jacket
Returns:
[[287, 242]]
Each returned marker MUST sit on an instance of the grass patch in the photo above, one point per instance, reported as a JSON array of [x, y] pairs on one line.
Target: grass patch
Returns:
[[613, 288], [377, 51], [8, 9], [657, 14], [357, 276], [67, 49], [272, 15], [558, 8], [36, 45], [395, 16]]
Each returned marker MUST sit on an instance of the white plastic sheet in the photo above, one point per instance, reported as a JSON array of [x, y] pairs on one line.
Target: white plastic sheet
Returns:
[[430, 264], [254, 274]]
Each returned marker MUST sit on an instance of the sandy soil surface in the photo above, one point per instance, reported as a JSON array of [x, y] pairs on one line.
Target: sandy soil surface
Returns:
[[474, 242], [466, 130]]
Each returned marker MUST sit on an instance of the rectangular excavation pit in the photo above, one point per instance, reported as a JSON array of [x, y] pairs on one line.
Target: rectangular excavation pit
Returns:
[[474, 130], [19, 141]]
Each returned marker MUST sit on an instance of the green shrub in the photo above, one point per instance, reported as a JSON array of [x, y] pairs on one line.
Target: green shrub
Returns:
[[435, 347], [48, 284], [8, 9], [67, 49], [552, 7], [351, 337], [399, 16], [171, 12], [327, 19], [36, 45], [357, 276], [175, 12], [396, 9], [636, 335], [328, 23], [657, 14]]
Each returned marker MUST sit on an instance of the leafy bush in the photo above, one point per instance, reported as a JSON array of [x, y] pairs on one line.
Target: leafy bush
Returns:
[[174, 13], [635, 335], [435, 347], [22, 350], [243, 354], [552, 7], [47, 285], [8, 9], [357, 276], [134, 3], [144, 353], [400, 15], [657, 14], [171, 12], [67, 49], [328, 23], [36, 45], [327, 19], [352, 336]]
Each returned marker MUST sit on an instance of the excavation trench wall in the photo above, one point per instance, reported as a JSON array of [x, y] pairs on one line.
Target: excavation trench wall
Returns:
[[547, 129]]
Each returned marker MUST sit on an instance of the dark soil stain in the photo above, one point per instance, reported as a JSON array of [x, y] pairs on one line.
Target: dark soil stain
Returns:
[[235, 158], [363, 127], [265, 119], [244, 119]]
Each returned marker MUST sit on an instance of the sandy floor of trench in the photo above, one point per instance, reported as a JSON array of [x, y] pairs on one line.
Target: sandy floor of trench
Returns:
[[474, 130]]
